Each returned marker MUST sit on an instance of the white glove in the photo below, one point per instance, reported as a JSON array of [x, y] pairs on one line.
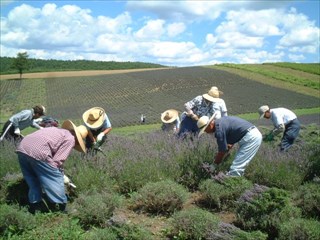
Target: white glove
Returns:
[[100, 136], [68, 182], [17, 131]]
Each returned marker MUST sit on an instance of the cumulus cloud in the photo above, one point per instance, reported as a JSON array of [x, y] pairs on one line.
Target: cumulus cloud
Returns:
[[167, 32]]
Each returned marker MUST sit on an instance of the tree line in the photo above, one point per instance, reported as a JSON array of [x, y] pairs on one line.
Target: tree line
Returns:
[[23, 64]]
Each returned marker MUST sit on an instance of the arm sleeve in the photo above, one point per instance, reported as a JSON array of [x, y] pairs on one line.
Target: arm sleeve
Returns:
[[15, 119]]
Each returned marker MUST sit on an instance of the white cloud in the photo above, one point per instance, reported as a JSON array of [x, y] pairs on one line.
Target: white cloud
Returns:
[[175, 29], [176, 33], [296, 58], [153, 29]]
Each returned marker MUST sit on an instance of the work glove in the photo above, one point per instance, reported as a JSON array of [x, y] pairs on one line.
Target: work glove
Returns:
[[100, 136], [68, 182], [17, 131]]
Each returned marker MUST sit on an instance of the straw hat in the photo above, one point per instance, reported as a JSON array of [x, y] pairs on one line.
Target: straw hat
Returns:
[[204, 122], [81, 133], [213, 95], [169, 116], [94, 117], [262, 110]]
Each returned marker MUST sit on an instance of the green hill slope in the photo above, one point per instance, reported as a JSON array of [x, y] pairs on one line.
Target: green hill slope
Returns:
[[126, 96]]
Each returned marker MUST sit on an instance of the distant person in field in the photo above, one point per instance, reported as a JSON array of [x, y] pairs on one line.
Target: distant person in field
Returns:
[[284, 121], [203, 105], [170, 121], [98, 124], [229, 131], [41, 157], [21, 120], [142, 119]]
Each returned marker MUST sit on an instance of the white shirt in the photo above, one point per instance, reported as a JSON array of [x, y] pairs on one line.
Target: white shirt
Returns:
[[220, 109], [281, 116]]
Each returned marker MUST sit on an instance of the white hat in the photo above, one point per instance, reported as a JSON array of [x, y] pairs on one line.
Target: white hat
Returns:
[[94, 117], [204, 122], [262, 110], [81, 133], [213, 94], [169, 116]]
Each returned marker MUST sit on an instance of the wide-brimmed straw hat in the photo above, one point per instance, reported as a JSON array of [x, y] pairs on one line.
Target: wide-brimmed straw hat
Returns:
[[94, 117], [169, 116], [213, 94], [262, 110], [203, 123], [81, 133]]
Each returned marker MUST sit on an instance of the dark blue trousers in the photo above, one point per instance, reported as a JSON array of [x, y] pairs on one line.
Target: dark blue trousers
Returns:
[[290, 134]]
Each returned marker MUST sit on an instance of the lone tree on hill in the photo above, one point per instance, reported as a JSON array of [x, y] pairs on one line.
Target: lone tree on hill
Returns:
[[21, 62]]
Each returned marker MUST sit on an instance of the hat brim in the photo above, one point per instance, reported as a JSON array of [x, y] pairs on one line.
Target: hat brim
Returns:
[[202, 130], [81, 147], [211, 99], [93, 124], [262, 115], [175, 115]]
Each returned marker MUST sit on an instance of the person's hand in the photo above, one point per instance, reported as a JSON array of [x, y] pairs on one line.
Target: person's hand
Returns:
[[68, 182], [194, 117], [100, 136], [17, 131]]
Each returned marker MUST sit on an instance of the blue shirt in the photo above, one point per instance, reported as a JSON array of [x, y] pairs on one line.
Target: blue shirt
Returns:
[[24, 119], [230, 130]]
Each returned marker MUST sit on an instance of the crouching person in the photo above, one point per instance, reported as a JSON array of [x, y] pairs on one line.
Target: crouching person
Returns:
[[41, 156], [228, 131]]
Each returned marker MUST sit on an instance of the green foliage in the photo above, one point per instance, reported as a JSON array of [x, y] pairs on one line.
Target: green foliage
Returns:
[[14, 220], [137, 174], [53, 226], [193, 223], [164, 197], [299, 229], [14, 189], [94, 209], [223, 194], [279, 75], [275, 169], [307, 197], [21, 62], [40, 65], [8, 159], [230, 232], [86, 175], [100, 234], [305, 67], [132, 232], [266, 211]]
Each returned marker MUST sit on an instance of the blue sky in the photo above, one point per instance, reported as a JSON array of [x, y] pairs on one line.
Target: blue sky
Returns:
[[172, 33]]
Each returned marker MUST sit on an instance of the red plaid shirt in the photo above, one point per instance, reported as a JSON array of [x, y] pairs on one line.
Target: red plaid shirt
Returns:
[[52, 145]]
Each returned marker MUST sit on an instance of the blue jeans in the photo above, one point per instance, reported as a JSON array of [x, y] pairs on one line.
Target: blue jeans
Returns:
[[248, 147], [42, 177], [187, 126], [290, 134]]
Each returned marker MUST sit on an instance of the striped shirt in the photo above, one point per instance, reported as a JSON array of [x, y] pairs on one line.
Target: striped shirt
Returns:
[[52, 145]]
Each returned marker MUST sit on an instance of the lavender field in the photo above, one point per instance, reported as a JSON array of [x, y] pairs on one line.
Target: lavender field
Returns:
[[126, 96], [151, 185]]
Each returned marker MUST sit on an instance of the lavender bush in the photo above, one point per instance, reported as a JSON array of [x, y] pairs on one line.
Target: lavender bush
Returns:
[[265, 209], [162, 197]]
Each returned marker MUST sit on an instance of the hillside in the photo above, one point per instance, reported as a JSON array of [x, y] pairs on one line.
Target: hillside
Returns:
[[127, 95]]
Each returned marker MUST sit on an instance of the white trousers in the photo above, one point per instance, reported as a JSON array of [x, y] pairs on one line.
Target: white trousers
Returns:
[[248, 147]]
